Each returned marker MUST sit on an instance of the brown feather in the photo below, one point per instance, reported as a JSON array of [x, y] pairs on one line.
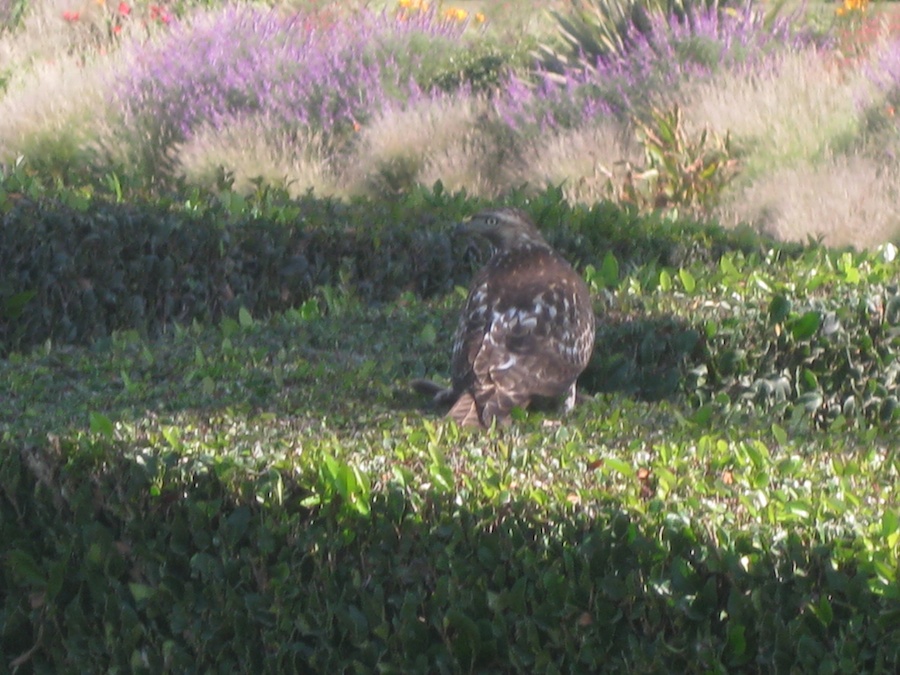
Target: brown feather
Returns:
[[465, 412], [527, 328]]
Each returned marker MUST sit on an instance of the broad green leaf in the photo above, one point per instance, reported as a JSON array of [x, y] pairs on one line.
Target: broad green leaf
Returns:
[[141, 592], [890, 522], [665, 281], [687, 280], [26, 568], [229, 327], [101, 424], [244, 318], [805, 326], [618, 465], [309, 310], [609, 270], [726, 264], [428, 334], [779, 309], [780, 434], [14, 306]]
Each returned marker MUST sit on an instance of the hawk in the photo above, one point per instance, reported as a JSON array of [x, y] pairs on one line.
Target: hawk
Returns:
[[526, 331]]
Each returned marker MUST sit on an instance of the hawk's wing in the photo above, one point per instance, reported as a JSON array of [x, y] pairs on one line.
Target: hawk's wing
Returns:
[[527, 330]]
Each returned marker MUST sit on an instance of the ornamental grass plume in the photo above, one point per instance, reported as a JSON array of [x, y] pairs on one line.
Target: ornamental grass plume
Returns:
[[441, 137], [302, 74], [246, 153], [841, 201], [798, 107]]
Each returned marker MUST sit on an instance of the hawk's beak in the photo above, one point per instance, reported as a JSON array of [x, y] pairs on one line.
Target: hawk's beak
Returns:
[[469, 235]]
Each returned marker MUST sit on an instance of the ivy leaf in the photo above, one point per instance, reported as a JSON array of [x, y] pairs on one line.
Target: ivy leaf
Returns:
[[779, 309], [806, 326], [687, 280]]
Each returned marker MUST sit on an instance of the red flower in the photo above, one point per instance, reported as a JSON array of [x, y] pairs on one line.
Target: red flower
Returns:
[[160, 13], [124, 8], [70, 15]]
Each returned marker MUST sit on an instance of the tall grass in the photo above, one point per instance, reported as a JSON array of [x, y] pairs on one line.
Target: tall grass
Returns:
[[54, 114], [246, 152], [588, 162], [797, 109], [446, 138]]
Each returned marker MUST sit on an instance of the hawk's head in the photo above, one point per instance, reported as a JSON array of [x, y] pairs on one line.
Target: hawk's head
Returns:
[[505, 229]]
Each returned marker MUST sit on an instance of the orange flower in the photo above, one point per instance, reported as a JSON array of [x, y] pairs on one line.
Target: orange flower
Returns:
[[455, 14], [852, 7], [414, 5]]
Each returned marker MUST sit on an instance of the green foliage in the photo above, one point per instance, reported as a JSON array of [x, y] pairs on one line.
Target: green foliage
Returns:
[[73, 269], [681, 172], [251, 487], [10, 17], [273, 526], [480, 67], [594, 29]]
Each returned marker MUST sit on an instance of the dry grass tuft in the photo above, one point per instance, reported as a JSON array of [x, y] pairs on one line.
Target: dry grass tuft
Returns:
[[446, 139], [798, 111], [588, 162], [800, 127], [844, 201], [54, 109], [247, 152], [42, 37], [52, 115]]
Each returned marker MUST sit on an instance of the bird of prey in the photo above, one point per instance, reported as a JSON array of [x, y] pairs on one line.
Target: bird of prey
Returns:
[[526, 331]]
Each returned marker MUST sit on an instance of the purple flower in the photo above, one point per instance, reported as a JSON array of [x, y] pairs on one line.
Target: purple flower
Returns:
[[297, 72], [650, 71]]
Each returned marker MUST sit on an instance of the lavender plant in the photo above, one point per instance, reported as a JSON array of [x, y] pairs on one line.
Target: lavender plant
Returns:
[[303, 75], [649, 69], [884, 72]]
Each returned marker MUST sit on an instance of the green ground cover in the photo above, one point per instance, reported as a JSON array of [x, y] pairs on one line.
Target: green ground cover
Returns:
[[210, 458], [265, 494]]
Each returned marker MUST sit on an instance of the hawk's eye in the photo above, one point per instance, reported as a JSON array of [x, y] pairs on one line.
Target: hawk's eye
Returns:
[[492, 220]]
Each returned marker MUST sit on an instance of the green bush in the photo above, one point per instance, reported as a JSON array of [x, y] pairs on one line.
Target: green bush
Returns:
[[264, 494], [130, 556], [73, 270]]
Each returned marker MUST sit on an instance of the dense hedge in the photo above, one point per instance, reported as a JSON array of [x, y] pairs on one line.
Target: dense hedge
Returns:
[[262, 494], [159, 562], [74, 273]]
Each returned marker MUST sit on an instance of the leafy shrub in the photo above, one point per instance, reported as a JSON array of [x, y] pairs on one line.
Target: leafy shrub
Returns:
[[76, 270], [629, 539], [89, 270], [680, 172], [709, 32]]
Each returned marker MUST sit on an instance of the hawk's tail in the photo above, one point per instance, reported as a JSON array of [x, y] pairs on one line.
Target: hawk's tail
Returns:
[[465, 412], [440, 395]]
